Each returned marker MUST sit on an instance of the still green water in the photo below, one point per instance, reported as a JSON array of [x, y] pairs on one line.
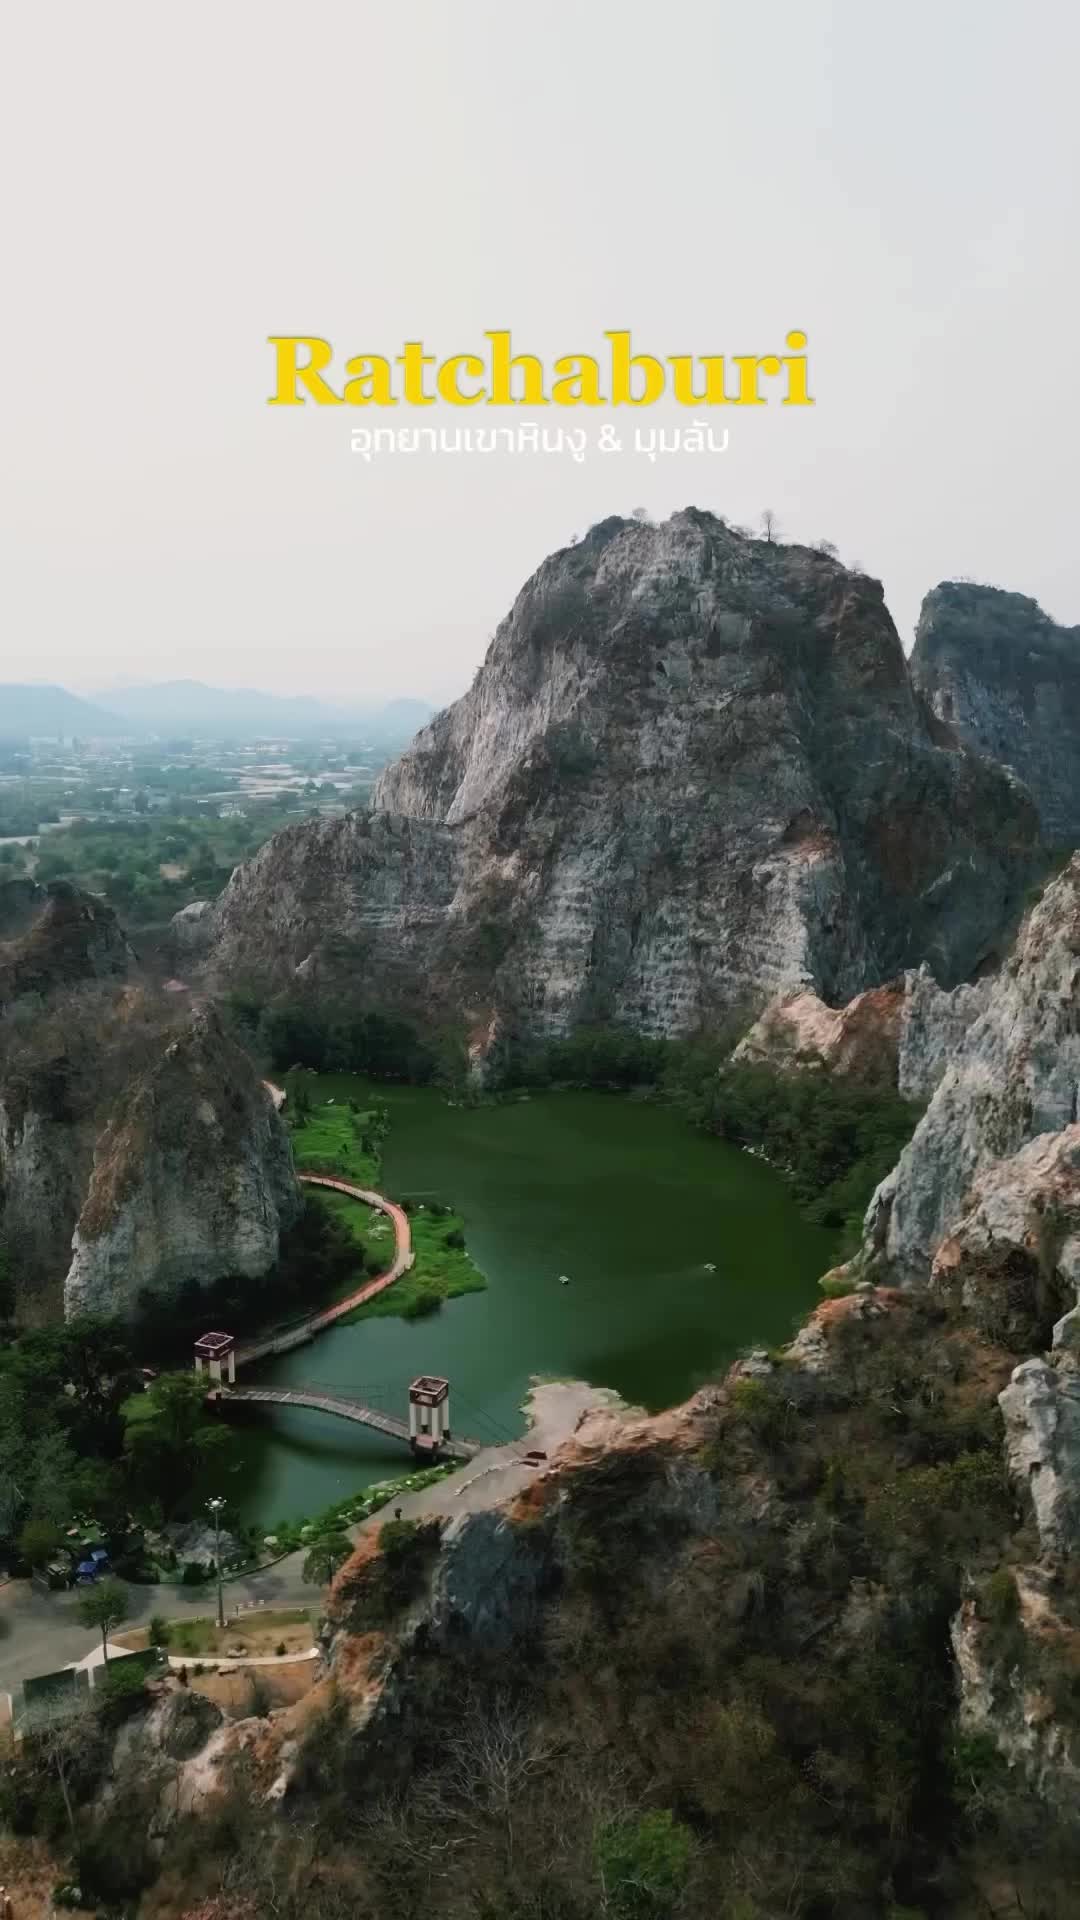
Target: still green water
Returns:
[[623, 1197]]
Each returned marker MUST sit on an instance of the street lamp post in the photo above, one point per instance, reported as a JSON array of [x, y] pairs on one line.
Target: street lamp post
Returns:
[[215, 1505]]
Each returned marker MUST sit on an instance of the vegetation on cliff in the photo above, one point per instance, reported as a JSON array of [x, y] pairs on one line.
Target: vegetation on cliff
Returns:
[[704, 1673]]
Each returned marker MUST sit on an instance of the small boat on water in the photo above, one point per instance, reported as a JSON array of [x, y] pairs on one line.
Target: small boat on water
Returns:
[[710, 1266], [564, 1279]]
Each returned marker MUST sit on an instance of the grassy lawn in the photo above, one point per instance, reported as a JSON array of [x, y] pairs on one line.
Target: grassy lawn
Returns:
[[439, 1272], [332, 1139], [345, 1140], [259, 1633]]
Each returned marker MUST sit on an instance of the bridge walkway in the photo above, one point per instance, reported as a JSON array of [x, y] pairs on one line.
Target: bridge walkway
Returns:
[[345, 1408]]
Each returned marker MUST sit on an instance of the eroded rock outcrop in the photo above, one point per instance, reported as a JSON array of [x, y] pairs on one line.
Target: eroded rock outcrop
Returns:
[[192, 1178], [1015, 1075], [1005, 680], [127, 1115], [691, 774], [1003, 1695], [56, 937], [1041, 1408], [933, 1022], [859, 1042], [900, 1036]]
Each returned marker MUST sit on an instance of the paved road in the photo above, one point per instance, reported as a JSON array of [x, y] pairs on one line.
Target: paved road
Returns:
[[44, 1630]]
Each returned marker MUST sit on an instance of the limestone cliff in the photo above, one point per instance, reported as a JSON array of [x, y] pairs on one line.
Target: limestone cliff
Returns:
[[1014, 1075], [902, 1036], [691, 774], [859, 1041], [997, 672], [138, 1147], [192, 1178]]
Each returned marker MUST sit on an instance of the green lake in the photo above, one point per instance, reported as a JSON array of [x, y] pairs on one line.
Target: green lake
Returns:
[[623, 1197]]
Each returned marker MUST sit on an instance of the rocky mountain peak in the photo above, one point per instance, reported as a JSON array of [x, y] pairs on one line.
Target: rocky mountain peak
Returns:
[[692, 773], [612, 632], [56, 937], [1005, 680]]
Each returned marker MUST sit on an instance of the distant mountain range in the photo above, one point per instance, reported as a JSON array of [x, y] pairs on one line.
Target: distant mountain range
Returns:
[[178, 707], [53, 713]]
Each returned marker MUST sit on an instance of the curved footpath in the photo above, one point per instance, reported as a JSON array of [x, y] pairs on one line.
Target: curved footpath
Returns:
[[403, 1259]]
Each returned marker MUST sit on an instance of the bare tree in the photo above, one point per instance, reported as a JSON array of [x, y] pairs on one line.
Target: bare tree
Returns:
[[770, 526], [66, 1732], [493, 1759]]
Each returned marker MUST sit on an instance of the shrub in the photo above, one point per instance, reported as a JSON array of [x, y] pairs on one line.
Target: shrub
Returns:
[[762, 1405], [260, 1699], [121, 1689], [643, 1863], [1000, 1599], [394, 1577], [427, 1298]]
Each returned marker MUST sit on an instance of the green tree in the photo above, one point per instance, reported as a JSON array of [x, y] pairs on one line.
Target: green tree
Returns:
[[38, 1541], [325, 1555], [121, 1690], [104, 1605], [643, 1863], [168, 1437]]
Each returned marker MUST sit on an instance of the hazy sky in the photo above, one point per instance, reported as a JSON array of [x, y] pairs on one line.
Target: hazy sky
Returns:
[[181, 181]]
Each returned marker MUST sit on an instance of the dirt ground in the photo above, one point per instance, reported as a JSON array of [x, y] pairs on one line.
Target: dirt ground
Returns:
[[244, 1691], [29, 1873]]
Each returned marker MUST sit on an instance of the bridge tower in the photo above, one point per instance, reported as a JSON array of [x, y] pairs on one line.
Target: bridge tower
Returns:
[[217, 1350], [429, 1413]]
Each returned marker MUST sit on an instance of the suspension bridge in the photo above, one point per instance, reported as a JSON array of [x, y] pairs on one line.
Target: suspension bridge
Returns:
[[362, 1408]]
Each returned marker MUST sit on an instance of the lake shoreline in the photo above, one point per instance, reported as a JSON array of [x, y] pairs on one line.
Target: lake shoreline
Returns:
[[621, 1248]]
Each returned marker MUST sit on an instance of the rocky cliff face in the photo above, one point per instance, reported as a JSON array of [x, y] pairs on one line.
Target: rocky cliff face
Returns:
[[718, 1606], [132, 1123], [1014, 1075], [44, 1166], [192, 1179], [997, 672], [902, 1036], [692, 773], [56, 937], [983, 1207]]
